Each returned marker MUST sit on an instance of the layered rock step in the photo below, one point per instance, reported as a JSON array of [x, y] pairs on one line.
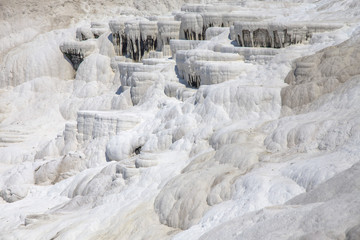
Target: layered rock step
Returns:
[[126, 69], [205, 67], [277, 35], [176, 45], [139, 77], [10, 136], [259, 55], [94, 124], [136, 39]]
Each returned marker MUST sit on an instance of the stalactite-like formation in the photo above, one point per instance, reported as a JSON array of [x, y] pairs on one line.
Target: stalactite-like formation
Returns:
[[167, 30], [136, 39], [148, 33], [132, 31], [117, 28], [195, 24], [191, 27], [277, 35], [77, 51]]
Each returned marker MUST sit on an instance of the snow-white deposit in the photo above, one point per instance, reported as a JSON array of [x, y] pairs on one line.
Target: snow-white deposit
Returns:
[[117, 122]]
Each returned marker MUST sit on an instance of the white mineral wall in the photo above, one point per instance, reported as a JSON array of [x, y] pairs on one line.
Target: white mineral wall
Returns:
[[149, 32], [194, 25], [127, 69], [277, 34], [117, 28], [167, 30], [217, 72], [191, 27], [132, 32], [192, 66], [141, 83], [92, 125]]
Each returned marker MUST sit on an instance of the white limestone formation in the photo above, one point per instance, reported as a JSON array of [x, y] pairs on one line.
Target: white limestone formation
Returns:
[[91, 124], [191, 27], [317, 27], [214, 72], [176, 45], [141, 82], [42, 57], [196, 68], [277, 35], [250, 54], [77, 51], [156, 61], [57, 170], [14, 193], [132, 32], [194, 25], [126, 70], [167, 30], [156, 54], [308, 210], [98, 28], [213, 19], [316, 75], [134, 39], [149, 32], [119, 39], [84, 33], [228, 18], [199, 122], [95, 31], [214, 31]]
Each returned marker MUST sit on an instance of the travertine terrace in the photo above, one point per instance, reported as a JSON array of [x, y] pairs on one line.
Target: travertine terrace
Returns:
[[180, 119]]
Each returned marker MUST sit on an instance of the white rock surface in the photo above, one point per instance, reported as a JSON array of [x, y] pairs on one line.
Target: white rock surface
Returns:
[[265, 147]]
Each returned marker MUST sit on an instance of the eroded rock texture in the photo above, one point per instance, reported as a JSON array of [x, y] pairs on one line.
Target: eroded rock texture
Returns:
[[316, 75]]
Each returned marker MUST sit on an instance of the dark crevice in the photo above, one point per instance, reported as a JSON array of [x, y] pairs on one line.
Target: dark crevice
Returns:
[[261, 38], [194, 81], [247, 38], [137, 150], [123, 45], [277, 40], [75, 58]]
